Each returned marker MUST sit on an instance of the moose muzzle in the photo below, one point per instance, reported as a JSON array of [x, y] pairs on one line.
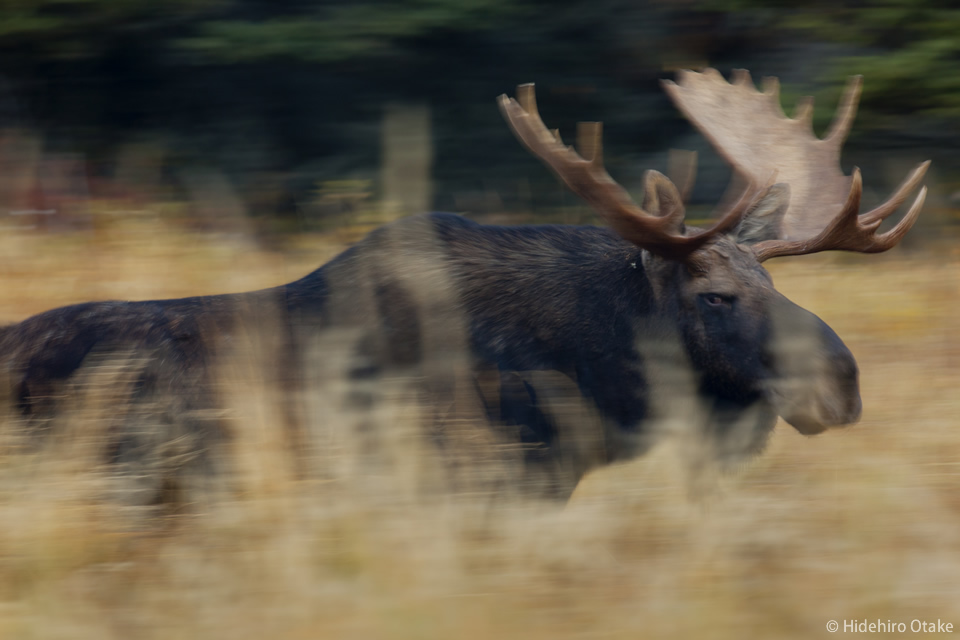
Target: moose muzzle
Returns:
[[815, 382]]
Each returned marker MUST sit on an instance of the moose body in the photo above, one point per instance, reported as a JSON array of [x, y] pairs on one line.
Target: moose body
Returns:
[[644, 323], [573, 300]]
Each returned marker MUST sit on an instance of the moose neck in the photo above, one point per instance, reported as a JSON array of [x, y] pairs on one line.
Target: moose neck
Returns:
[[566, 299]]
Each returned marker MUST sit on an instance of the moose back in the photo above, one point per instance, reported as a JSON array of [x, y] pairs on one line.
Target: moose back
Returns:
[[643, 322]]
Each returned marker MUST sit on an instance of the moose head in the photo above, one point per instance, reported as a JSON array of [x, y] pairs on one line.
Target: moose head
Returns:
[[747, 343]]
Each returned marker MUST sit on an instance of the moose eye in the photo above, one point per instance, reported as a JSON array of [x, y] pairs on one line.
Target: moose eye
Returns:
[[717, 300]]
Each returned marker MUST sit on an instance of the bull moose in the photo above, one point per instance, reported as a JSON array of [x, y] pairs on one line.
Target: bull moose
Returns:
[[608, 314]]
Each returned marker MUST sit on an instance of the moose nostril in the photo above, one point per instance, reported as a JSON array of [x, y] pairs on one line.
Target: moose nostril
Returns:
[[847, 377], [849, 389], [850, 376], [856, 408]]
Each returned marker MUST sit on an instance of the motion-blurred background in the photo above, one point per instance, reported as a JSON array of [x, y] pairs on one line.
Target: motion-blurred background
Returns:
[[293, 113], [163, 148]]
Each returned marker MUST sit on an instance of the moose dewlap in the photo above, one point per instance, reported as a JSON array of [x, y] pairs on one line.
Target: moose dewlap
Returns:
[[549, 349]]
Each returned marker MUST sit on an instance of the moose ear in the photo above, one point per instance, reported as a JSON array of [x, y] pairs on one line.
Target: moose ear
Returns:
[[661, 199], [764, 219]]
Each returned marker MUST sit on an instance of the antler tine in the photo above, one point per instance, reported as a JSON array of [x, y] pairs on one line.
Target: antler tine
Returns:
[[803, 113], [890, 239], [527, 97], [532, 133], [590, 142], [660, 231], [741, 77], [771, 87], [852, 231], [898, 197], [846, 112]]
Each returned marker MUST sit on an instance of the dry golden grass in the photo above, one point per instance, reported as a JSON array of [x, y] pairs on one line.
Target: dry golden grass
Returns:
[[862, 523]]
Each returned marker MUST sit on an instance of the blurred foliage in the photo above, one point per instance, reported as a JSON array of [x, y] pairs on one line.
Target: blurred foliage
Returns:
[[345, 31], [908, 49], [83, 28], [280, 95], [239, 30]]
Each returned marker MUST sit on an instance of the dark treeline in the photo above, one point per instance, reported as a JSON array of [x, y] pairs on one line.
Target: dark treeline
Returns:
[[281, 96]]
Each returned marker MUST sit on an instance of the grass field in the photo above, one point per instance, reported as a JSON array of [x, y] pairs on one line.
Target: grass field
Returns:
[[862, 523]]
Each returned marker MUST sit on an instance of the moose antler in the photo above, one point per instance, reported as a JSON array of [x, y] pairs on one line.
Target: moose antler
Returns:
[[657, 226], [749, 129], [852, 231]]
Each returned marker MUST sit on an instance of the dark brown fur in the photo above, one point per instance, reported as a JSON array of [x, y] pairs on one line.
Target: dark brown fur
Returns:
[[576, 343]]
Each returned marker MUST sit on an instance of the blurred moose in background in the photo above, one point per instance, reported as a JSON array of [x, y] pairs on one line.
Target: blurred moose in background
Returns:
[[643, 323]]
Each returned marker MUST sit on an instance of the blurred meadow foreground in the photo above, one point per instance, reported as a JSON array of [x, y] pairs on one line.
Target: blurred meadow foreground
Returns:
[[156, 150], [856, 523]]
